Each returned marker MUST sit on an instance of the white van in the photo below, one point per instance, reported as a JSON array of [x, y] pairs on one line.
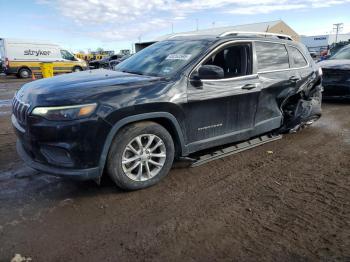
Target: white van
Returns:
[[23, 57]]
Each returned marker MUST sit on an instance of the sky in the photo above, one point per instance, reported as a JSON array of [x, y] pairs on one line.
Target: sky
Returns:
[[118, 24]]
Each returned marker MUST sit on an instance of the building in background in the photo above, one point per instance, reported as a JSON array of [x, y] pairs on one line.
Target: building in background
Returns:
[[277, 26], [318, 43]]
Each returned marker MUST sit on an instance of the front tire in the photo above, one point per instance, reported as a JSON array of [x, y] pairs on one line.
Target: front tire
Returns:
[[77, 69], [140, 156]]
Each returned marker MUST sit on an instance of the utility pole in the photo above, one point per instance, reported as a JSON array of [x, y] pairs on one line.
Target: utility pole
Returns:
[[196, 24], [337, 28]]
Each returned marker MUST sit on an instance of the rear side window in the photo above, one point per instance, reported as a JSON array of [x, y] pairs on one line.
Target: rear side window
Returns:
[[271, 56], [297, 57]]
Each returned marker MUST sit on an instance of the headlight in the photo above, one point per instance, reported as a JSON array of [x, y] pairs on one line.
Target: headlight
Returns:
[[65, 112], [320, 72]]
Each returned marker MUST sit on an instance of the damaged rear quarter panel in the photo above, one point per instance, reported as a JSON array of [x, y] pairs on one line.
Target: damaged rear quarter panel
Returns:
[[295, 102]]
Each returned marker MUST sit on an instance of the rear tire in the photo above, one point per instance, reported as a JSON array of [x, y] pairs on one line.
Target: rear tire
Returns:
[[141, 155], [24, 73]]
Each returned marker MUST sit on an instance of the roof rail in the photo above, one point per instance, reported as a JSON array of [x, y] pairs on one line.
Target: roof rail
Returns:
[[280, 36], [176, 35]]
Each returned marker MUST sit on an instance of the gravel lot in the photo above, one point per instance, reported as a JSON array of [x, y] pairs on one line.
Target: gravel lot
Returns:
[[291, 204]]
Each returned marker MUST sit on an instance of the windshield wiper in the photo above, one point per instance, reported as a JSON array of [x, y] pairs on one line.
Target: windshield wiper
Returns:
[[139, 73], [131, 72]]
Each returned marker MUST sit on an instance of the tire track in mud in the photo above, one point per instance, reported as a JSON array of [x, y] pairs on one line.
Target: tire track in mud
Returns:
[[221, 213], [300, 222]]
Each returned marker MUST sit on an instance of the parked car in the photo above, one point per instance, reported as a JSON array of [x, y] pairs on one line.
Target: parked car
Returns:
[[104, 62], [313, 54], [336, 74], [113, 63], [171, 99], [23, 57]]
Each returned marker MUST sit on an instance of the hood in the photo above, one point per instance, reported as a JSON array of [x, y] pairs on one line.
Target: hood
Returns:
[[79, 87], [335, 64]]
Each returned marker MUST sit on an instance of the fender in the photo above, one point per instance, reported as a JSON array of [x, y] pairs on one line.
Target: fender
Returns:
[[135, 118]]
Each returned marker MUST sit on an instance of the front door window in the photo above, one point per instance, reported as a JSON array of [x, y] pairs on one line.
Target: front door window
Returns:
[[234, 60]]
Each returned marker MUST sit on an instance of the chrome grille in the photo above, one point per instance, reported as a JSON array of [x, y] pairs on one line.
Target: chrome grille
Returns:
[[20, 110]]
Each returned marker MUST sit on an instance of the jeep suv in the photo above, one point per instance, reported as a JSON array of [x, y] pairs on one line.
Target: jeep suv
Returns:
[[174, 98]]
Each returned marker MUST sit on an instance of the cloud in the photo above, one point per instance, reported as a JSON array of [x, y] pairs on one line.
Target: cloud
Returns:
[[265, 9], [129, 19]]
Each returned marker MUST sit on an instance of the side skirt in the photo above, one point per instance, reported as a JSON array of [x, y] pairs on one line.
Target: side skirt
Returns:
[[241, 135], [234, 149]]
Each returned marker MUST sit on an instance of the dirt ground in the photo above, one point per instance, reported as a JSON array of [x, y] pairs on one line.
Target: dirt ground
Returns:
[[291, 204]]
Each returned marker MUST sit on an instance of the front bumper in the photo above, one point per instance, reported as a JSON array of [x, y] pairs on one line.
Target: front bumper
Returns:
[[336, 90], [71, 149], [78, 174], [336, 84]]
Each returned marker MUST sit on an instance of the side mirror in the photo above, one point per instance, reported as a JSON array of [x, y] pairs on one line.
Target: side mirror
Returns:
[[210, 72], [196, 82]]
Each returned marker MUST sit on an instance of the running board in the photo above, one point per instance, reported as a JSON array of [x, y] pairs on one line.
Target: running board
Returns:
[[235, 149]]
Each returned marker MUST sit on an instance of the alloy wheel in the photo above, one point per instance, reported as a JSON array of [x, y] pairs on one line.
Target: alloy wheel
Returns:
[[144, 157]]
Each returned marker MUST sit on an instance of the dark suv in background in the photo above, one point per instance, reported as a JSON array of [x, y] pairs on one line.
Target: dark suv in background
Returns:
[[174, 98], [104, 62], [336, 74]]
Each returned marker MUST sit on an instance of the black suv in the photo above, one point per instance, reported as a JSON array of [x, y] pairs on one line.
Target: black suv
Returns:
[[174, 98], [336, 74], [104, 62]]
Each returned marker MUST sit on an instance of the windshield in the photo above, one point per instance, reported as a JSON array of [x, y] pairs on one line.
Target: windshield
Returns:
[[66, 55], [163, 58], [342, 54]]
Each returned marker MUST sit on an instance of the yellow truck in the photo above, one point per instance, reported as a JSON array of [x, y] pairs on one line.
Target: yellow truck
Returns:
[[89, 57], [23, 58]]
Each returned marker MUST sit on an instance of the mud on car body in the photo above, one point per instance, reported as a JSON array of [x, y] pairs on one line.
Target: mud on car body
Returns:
[[174, 98]]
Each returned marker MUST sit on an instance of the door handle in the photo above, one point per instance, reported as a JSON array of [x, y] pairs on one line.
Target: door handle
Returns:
[[249, 86], [294, 78]]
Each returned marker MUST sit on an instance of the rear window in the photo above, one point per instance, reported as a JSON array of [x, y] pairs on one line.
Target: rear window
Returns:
[[271, 56], [297, 57]]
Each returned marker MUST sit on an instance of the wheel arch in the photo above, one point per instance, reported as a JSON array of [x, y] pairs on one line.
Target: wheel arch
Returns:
[[77, 66], [167, 120], [23, 67]]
